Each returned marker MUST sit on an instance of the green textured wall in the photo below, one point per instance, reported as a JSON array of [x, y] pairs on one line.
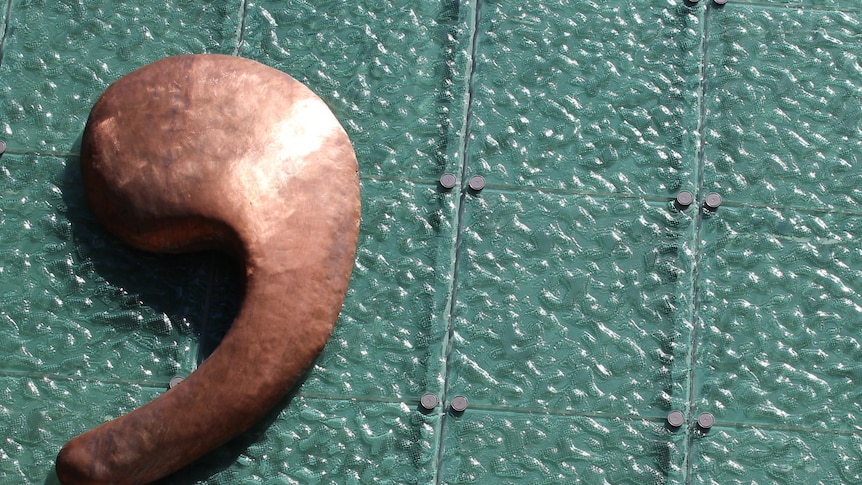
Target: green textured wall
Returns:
[[570, 301]]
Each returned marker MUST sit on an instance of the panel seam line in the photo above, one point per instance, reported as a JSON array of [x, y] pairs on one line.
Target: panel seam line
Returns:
[[6, 22], [241, 31], [695, 314], [465, 146]]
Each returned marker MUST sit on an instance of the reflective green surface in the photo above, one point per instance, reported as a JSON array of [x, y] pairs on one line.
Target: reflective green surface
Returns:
[[570, 301]]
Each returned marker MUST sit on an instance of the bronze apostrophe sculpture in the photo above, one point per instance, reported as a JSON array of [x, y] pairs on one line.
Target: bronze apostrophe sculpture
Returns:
[[210, 151]]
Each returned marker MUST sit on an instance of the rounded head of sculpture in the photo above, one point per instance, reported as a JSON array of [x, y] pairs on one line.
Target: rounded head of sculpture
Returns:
[[210, 151]]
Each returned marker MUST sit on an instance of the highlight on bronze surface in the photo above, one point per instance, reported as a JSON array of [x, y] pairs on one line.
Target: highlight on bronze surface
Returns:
[[219, 152]]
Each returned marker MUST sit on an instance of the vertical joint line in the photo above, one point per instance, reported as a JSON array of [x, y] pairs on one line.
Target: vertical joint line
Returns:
[[241, 34], [6, 22], [695, 315], [465, 147], [471, 82]]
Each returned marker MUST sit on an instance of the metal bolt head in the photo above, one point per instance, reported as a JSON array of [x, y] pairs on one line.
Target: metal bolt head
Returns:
[[2, 147], [720, 2], [684, 198], [448, 180], [705, 420], [477, 182], [675, 419], [459, 404], [175, 381], [428, 401], [713, 200]]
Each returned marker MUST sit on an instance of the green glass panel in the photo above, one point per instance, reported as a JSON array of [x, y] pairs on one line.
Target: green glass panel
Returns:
[[783, 107], [848, 5], [308, 441], [394, 73], [38, 415], [499, 447], [60, 55], [573, 303], [389, 340], [4, 10], [780, 316], [590, 96], [76, 302], [586, 306], [761, 456], [327, 441]]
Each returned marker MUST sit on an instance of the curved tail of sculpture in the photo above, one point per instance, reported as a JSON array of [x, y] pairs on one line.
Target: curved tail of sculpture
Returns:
[[173, 160]]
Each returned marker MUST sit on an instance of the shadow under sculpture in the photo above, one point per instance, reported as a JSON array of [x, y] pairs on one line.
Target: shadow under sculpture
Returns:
[[209, 151]]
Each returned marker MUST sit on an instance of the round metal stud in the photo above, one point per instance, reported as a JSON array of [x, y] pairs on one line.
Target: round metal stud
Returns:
[[684, 199], [448, 180], [713, 200], [174, 382], [705, 420], [720, 2], [428, 401], [2, 147], [675, 419], [477, 182], [459, 404]]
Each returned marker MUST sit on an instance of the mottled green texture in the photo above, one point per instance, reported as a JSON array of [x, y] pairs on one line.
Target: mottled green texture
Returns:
[[395, 316], [570, 301], [38, 415], [395, 74], [846, 5], [323, 440], [61, 54], [594, 97], [779, 318], [585, 308], [497, 447], [783, 107], [745, 455], [81, 303]]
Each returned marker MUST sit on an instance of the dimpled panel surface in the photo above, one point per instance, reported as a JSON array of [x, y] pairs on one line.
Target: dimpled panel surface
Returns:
[[779, 325], [569, 301], [38, 415], [591, 96], [393, 72], [783, 107], [75, 310], [737, 456], [61, 54], [573, 303], [394, 320], [498, 447], [4, 10], [327, 441], [841, 4]]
